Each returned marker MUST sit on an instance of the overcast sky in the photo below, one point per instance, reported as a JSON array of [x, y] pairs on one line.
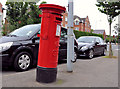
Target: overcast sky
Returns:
[[83, 8]]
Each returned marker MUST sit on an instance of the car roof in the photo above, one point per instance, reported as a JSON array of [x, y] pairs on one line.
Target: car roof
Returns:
[[33, 25]]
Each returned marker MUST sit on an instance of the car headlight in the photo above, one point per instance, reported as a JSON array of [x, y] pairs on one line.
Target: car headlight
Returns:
[[5, 46], [84, 48]]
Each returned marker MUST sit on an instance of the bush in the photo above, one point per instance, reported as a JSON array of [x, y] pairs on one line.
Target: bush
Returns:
[[113, 40], [9, 28], [80, 33]]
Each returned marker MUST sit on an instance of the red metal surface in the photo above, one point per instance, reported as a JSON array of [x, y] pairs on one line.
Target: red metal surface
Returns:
[[49, 42]]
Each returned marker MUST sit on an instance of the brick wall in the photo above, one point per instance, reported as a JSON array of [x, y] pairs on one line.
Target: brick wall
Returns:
[[64, 22], [81, 26], [87, 25], [0, 7]]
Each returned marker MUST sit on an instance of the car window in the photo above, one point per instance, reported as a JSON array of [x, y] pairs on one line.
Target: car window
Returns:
[[25, 30], [98, 40], [37, 33], [63, 35], [101, 40], [86, 39]]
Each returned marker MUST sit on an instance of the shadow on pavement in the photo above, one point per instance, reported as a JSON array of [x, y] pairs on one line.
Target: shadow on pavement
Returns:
[[7, 69], [85, 58], [10, 69]]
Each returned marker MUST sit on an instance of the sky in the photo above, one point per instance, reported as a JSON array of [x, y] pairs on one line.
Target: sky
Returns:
[[83, 8]]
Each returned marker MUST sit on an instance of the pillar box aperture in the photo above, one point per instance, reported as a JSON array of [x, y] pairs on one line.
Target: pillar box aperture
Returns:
[[49, 42]]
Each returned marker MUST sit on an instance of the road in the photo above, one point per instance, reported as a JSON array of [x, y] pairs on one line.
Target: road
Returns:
[[98, 72]]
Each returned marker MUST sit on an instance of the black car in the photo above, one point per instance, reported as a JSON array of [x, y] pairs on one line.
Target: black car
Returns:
[[20, 47], [91, 45]]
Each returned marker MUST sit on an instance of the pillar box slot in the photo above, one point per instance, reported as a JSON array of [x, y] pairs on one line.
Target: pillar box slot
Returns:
[[59, 19]]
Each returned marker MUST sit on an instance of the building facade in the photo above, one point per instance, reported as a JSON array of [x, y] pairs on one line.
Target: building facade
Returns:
[[80, 24], [1, 15]]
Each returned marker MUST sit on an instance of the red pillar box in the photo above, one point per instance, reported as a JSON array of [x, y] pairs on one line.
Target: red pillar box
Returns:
[[49, 42]]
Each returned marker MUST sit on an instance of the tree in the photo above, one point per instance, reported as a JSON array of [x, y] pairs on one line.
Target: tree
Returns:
[[22, 13], [91, 31], [111, 9], [117, 31], [116, 28]]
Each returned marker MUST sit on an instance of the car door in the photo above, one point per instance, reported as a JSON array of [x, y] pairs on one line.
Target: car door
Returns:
[[63, 45], [103, 46], [97, 46], [35, 43]]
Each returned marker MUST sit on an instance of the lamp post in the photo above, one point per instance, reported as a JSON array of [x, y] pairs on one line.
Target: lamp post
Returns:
[[70, 43]]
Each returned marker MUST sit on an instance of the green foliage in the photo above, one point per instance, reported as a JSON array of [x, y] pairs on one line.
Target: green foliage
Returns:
[[91, 31], [113, 40], [109, 8], [7, 28], [22, 13], [80, 33]]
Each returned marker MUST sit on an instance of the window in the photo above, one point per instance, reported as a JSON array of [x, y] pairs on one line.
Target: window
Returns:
[[63, 36], [27, 30], [37, 34], [76, 22], [77, 28], [101, 40], [88, 25], [98, 40]]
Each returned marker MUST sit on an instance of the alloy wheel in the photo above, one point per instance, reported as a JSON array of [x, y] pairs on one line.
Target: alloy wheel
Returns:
[[91, 54], [75, 57], [24, 61]]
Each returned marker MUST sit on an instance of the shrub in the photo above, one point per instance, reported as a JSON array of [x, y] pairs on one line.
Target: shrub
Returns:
[[80, 33]]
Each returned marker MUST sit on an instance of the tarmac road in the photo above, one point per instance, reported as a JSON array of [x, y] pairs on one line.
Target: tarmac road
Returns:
[[98, 72]]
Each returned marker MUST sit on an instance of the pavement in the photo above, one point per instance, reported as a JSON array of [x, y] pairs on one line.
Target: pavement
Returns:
[[96, 72]]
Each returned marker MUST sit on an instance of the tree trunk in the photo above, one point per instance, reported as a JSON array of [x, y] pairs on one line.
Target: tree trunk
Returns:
[[110, 46]]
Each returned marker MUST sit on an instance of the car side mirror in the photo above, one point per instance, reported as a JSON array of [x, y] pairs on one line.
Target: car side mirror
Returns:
[[96, 43], [35, 38]]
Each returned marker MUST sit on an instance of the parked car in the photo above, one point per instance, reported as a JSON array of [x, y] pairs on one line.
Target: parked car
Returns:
[[20, 48], [91, 45]]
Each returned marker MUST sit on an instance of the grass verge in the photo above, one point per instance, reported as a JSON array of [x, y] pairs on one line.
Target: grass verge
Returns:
[[109, 57]]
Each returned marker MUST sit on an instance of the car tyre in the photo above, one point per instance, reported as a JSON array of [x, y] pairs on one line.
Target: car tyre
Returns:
[[90, 54], [22, 61], [75, 57], [104, 52]]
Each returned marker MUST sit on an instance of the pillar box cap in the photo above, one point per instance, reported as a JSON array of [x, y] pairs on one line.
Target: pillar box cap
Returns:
[[52, 7]]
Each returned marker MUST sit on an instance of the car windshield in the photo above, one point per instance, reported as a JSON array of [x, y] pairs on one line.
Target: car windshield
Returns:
[[25, 30], [86, 39]]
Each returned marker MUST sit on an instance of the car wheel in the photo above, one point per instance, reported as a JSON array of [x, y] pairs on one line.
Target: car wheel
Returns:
[[22, 61], [75, 57], [90, 54]]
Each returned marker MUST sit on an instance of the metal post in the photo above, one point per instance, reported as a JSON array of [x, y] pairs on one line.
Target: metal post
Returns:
[[70, 43]]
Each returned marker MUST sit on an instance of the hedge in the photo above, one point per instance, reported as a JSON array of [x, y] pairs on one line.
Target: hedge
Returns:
[[113, 40], [80, 33]]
